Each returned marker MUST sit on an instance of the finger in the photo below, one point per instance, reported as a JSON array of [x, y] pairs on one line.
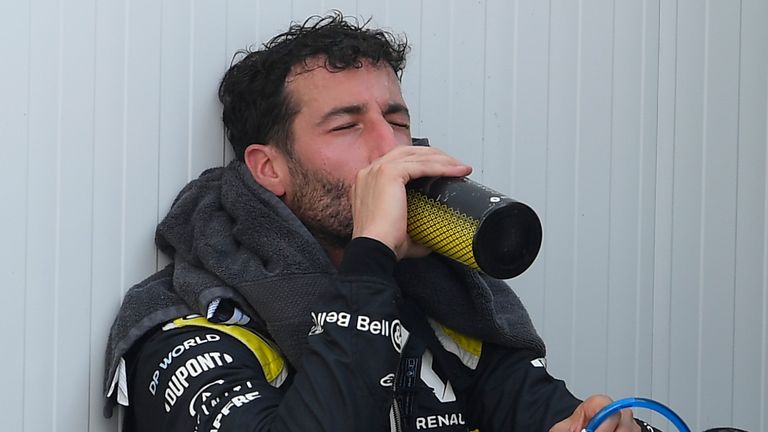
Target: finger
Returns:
[[628, 421], [622, 421], [426, 157], [610, 424], [592, 405], [408, 169]]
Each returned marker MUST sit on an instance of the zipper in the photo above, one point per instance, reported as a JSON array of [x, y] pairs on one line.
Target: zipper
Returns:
[[402, 405], [396, 417]]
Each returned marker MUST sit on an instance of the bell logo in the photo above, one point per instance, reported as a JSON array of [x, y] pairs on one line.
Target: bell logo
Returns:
[[399, 335]]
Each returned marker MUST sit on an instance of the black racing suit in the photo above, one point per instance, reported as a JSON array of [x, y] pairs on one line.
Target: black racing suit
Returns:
[[356, 374]]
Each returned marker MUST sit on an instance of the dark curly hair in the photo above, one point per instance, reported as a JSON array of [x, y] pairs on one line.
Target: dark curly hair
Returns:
[[257, 108]]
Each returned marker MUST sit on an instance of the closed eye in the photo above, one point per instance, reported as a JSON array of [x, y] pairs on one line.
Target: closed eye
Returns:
[[344, 127], [400, 125]]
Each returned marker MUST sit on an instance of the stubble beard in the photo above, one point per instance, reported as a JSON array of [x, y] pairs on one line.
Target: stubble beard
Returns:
[[322, 203]]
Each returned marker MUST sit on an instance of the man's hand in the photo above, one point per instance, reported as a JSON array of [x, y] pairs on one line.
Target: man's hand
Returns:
[[622, 421], [379, 208]]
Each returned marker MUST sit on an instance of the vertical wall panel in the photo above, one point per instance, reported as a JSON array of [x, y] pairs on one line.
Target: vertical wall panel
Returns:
[[625, 210], [663, 205], [107, 281], [648, 170], [687, 210], [74, 216], [716, 314], [500, 87], [466, 73], [142, 131], [14, 144], [176, 87], [750, 373], [559, 240], [208, 63], [436, 101], [45, 148], [592, 194]]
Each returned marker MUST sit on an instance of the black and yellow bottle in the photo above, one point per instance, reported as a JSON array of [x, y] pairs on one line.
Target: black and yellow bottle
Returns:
[[473, 224]]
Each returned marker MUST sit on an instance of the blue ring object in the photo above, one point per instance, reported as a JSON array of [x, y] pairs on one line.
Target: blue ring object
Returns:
[[620, 404]]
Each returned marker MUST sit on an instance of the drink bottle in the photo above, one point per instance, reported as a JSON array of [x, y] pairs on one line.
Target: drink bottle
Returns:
[[473, 224]]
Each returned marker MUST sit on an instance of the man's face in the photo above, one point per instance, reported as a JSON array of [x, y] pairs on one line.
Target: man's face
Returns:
[[346, 120]]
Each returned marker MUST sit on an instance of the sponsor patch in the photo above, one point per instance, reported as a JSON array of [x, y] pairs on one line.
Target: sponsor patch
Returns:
[[388, 381], [201, 397], [379, 327], [177, 351], [236, 402], [192, 368], [436, 421]]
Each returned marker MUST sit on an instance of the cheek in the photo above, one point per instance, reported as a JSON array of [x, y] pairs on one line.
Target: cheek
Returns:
[[345, 166]]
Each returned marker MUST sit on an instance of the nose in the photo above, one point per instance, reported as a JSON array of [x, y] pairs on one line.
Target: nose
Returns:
[[383, 137]]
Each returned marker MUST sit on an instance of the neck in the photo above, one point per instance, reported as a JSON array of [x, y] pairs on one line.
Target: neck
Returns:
[[333, 246], [335, 254]]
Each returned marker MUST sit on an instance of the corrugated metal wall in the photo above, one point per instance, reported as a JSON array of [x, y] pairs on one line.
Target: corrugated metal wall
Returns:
[[637, 129]]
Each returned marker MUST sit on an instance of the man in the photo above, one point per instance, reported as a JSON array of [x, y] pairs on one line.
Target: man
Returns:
[[296, 300]]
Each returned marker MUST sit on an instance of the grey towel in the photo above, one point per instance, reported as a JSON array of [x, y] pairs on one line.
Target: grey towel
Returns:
[[230, 238]]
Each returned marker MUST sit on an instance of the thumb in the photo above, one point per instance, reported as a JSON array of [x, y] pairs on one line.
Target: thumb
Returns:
[[584, 413], [591, 406]]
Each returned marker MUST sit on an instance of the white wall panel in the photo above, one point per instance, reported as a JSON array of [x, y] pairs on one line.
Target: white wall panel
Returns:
[[434, 68], [176, 126], [208, 60], [687, 209], [44, 151], [108, 282], [558, 247], [14, 156], [716, 311], [636, 129], [632, 164], [663, 205], [74, 190], [647, 188], [141, 131], [591, 190], [465, 84], [751, 258]]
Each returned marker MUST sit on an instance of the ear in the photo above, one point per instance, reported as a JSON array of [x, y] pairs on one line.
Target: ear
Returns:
[[268, 167]]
